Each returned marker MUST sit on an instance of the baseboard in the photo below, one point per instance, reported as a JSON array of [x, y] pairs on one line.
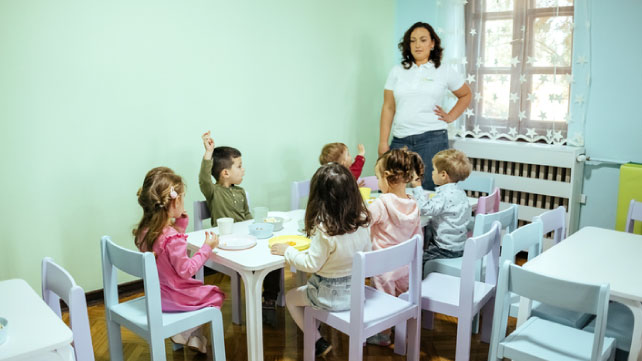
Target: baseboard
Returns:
[[124, 289]]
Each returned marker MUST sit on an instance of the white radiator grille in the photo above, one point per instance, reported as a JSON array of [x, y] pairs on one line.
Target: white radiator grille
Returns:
[[536, 177]]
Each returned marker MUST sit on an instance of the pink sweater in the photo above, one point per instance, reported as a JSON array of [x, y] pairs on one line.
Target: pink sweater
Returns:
[[179, 291], [394, 220]]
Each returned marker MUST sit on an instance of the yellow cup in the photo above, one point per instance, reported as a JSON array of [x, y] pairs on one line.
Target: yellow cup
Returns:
[[365, 193]]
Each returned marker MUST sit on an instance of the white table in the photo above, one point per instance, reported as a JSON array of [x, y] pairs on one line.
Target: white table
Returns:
[[35, 331], [253, 265], [597, 255]]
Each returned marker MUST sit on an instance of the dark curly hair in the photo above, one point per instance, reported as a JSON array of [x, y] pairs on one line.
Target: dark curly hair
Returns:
[[400, 165], [335, 202], [404, 46]]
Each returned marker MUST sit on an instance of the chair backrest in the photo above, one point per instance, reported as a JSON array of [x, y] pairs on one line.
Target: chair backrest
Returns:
[[527, 237], [554, 221], [298, 190], [58, 284], [367, 264], [475, 249], [477, 183], [580, 297], [507, 218], [201, 213], [489, 203], [142, 265], [370, 182], [635, 214]]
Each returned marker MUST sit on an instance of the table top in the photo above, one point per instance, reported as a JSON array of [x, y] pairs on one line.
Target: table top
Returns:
[[596, 255], [33, 327], [257, 257]]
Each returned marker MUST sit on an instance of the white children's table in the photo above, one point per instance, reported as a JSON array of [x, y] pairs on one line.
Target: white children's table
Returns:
[[597, 255], [34, 331], [253, 265]]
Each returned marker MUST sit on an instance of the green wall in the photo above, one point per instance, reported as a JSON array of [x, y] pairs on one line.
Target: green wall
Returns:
[[94, 94]]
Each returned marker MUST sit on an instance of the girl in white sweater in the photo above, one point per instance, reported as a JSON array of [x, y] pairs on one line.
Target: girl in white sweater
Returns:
[[336, 220]]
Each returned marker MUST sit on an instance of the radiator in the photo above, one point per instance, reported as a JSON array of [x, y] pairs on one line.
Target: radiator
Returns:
[[536, 177]]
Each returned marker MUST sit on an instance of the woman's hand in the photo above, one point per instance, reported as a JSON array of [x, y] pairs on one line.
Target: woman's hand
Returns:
[[279, 248], [383, 147], [442, 115], [211, 239]]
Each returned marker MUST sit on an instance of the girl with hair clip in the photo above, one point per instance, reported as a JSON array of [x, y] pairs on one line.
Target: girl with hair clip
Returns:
[[162, 231], [336, 220], [395, 218]]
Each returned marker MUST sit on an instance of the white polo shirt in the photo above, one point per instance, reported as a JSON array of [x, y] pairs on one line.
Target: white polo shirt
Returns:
[[417, 90]]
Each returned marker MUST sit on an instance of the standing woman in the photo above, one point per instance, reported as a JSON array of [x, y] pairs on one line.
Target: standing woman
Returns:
[[411, 96]]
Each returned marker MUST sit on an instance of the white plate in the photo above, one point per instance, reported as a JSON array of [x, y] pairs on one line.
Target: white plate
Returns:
[[235, 242], [283, 215]]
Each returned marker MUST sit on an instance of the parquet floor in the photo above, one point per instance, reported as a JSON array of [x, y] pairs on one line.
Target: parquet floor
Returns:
[[283, 343]]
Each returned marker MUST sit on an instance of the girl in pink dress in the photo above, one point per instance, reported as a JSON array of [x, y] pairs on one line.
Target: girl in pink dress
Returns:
[[161, 231], [395, 218]]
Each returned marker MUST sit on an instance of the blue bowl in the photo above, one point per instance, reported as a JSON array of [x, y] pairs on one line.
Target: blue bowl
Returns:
[[261, 230]]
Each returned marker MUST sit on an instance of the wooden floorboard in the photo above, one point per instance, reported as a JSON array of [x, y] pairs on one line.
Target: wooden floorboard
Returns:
[[282, 343]]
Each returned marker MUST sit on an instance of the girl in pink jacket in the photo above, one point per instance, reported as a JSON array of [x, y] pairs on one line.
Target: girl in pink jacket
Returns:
[[395, 218], [162, 231]]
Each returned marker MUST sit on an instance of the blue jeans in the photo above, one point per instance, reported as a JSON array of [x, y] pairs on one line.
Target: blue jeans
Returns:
[[426, 145]]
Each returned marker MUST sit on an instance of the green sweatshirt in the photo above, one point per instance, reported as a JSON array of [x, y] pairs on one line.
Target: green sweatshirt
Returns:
[[222, 202]]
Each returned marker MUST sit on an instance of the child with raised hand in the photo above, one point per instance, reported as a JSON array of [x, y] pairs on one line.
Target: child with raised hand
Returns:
[[162, 231], [395, 218], [226, 199], [339, 153], [451, 214], [336, 220]]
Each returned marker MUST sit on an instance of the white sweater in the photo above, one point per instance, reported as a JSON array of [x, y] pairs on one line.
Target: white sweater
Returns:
[[330, 257]]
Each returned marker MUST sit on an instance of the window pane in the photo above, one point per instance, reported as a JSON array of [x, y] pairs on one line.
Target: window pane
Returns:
[[553, 40], [496, 91], [498, 43], [499, 5], [551, 97], [552, 3]]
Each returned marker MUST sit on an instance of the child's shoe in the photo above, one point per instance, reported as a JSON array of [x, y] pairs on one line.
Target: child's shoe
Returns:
[[322, 347], [269, 312], [380, 339], [198, 343], [181, 338]]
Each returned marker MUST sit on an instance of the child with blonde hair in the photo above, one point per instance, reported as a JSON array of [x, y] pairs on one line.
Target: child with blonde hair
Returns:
[[336, 220], [339, 153], [451, 214], [395, 218], [161, 230]]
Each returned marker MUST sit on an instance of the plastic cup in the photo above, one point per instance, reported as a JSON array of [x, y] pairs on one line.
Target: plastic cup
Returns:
[[260, 213], [225, 226], [365, 193]]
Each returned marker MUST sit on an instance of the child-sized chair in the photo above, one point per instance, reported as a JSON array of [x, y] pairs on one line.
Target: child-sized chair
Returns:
[[462, 297], [58, 284], [370, 182], [553, 221], [143, 315], [635, 214], [488, 204], [372, 311], [539, 339], [477, 183], [298, 190]]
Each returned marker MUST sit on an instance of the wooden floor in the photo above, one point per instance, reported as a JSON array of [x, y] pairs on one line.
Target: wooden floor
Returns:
[[283, 343]]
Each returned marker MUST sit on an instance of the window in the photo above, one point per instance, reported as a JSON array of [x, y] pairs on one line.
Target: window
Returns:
[[519, 68]]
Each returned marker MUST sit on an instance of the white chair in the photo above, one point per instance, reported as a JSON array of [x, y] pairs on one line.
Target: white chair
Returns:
[[372, 311], [58, 284], [635, 214], [463, 297], [538, 339], [143, 315], [370, 182], [477, 183], [554, 221], [619, 324], [298, 190]]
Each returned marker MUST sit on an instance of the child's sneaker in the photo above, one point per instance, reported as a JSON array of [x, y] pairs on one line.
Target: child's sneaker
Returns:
[[269, 312], [322, 347], [380, 339]]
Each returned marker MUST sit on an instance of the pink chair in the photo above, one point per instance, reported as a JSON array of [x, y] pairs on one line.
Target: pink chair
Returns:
[[370, 182], [58, 284], [489, 203], [462, 297], [372, 311], [635, 214]]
